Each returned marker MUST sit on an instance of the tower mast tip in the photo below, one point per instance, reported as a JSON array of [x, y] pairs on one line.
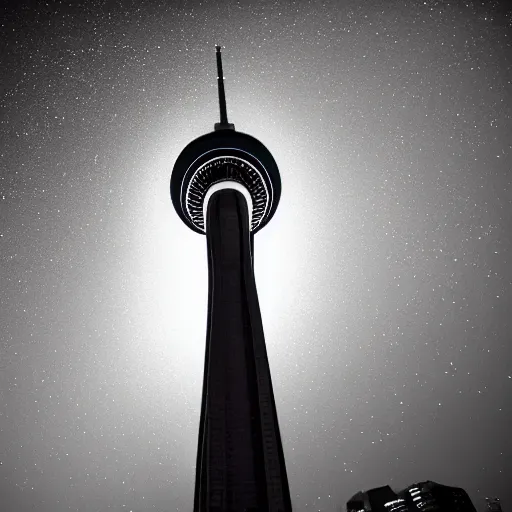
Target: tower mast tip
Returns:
[[223, 125]]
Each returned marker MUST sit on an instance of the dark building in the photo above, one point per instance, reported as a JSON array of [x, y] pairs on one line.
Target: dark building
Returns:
[[431, 496], [424, 496], [226, 184], [381, 499]]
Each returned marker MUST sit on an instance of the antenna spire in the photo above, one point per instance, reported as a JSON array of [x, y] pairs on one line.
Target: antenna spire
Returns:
[[223, 125]]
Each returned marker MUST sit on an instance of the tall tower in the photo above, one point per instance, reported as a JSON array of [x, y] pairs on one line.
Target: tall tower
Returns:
[[226, 184]]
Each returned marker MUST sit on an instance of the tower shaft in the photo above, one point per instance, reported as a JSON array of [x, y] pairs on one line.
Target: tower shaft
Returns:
[[240, 461]]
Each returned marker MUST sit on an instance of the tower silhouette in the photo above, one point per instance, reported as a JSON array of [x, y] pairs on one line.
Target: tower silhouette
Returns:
[[226, 184]]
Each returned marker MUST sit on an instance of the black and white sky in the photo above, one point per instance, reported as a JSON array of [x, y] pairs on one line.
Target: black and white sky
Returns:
[[384, 279]]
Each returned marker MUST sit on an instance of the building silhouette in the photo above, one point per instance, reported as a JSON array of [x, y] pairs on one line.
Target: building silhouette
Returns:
[[425, 497], [380, 499], [226, 185]]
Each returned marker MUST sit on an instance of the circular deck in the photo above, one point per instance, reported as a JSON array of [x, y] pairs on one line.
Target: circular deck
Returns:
[[225, 155]]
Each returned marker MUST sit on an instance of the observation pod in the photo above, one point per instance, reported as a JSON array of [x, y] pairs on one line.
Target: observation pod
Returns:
[[225, 155]]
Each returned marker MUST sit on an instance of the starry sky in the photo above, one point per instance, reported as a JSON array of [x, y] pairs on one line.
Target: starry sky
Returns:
[[384, 279]]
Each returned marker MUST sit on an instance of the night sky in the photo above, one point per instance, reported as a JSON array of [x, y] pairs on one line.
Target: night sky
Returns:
[[384, 279]]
